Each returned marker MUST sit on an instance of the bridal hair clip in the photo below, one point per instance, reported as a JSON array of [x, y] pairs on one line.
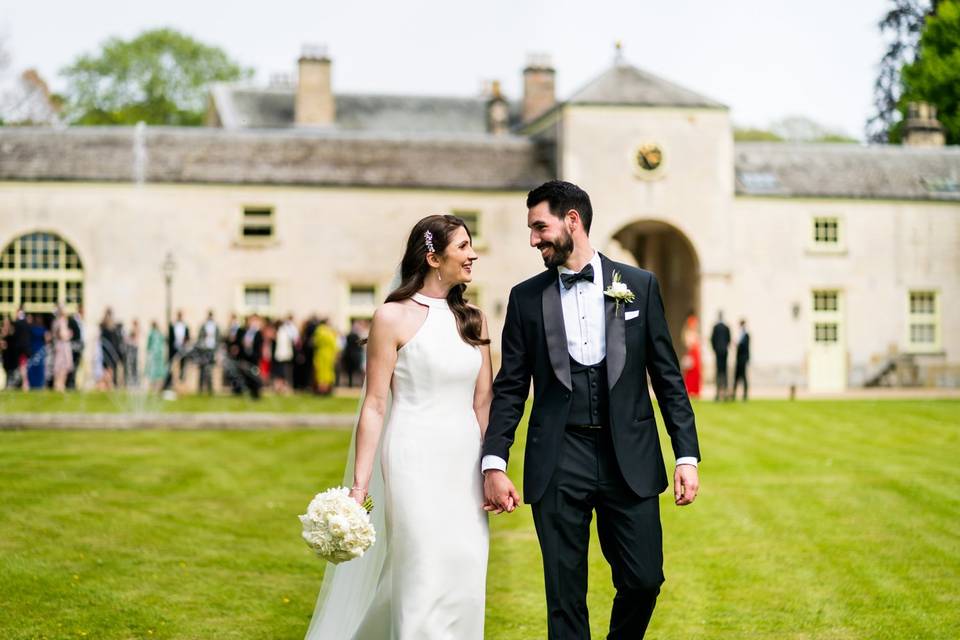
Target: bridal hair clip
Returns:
[[428, 239]]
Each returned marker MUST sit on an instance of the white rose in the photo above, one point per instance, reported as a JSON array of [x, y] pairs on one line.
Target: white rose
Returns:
[[338, 525], [619, 287]]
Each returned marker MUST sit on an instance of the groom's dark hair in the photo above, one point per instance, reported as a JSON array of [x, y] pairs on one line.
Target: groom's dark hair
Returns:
[[563, 196]]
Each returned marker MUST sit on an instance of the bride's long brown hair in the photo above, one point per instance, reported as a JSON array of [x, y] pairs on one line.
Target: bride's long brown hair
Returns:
[[414, 270]]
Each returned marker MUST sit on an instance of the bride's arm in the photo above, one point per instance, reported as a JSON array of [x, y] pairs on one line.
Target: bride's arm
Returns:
[[483, 393], [381, 360]]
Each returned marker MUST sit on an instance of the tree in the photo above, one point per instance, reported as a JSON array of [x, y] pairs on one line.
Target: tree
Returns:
[[905, 22], [159, 77], [30, 102], [752, 134], [791, 129], [25, 98], [802, 129], [934, 76]]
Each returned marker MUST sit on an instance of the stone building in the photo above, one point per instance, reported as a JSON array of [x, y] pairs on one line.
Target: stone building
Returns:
[[844, 259]]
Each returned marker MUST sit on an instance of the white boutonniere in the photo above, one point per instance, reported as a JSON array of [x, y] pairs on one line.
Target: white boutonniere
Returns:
[[619, 292]]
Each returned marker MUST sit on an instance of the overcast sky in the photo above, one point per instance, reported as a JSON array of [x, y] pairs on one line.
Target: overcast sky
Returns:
[[766, 59]]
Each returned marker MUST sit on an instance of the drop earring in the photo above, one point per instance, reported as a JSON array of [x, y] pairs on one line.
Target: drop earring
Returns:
[[438, 275]]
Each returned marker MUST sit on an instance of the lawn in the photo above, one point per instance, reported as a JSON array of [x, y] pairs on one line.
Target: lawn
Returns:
[[826, 520], [133, 402]]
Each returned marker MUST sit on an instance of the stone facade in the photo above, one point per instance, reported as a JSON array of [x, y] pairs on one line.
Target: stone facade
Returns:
[[727, 226]]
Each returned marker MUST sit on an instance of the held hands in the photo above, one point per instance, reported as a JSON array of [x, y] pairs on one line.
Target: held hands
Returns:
[[499, 493], [686, 483]]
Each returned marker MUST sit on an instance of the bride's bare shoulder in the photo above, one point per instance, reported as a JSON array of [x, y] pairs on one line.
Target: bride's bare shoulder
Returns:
[[396, 319], [390, 312]]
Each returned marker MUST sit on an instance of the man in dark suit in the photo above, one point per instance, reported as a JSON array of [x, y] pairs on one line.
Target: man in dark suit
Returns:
[[588, 331], [720, 341], [250, 342], [231, 359], [743, 358], [208, 340], [76, 325], [22, 346], [178, 340]]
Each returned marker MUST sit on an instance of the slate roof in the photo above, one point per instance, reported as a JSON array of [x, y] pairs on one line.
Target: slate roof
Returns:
[[624, 84], [250, 107], [847, 171], [245, 107], [293, 156], [430, 160]]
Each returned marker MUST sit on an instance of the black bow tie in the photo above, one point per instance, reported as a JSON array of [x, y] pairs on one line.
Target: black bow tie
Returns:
[[570, 279]]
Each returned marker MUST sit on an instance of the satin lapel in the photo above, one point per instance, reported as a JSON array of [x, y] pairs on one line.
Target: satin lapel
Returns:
[[555, 333], [616, 336]]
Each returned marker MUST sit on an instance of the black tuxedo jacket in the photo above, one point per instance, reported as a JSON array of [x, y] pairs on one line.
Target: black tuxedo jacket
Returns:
[[202, 335], [534, 345], [743, 351], [172, 338], [720, 338], [254, 353]]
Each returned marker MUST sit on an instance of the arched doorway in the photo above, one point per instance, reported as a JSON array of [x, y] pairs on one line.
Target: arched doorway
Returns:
[[666, 251], [40, 270]]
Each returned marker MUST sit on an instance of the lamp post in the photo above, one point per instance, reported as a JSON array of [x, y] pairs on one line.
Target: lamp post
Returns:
[[168, 267]]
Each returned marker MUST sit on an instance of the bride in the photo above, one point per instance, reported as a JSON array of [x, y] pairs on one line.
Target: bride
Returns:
[[428, 394]]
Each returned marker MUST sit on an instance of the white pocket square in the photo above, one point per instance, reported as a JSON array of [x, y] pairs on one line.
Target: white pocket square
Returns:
[[630, 315]]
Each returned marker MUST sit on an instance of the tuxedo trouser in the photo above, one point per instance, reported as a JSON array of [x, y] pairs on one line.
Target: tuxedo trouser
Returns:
[[588, 478], [721, 374], [740, 376]]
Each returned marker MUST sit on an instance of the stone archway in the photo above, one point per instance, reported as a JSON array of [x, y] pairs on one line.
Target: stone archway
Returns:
[[666, 251]]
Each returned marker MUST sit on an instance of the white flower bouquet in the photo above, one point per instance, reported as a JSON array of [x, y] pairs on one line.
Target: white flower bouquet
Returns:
[[336, 527]]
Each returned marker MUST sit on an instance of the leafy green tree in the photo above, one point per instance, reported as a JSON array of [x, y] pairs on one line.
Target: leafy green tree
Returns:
[[751, 134], [159, 77], [934, 76], [902, 24], [803, 129], [791, 129]]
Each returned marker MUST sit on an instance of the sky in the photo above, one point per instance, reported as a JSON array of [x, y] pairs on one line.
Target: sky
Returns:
[[765, 59]]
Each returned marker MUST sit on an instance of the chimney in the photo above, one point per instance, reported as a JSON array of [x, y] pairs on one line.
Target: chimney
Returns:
[[922, 129], [538, 86], [314, 105], [498, 111]]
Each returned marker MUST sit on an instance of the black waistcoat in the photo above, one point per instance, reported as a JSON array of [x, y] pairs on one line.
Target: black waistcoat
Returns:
[[589, 400]]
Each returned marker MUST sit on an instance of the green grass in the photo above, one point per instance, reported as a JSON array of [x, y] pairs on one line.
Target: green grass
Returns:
[[122, 402], [826, 520]]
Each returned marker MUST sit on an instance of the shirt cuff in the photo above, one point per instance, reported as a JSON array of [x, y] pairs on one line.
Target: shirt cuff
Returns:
[[687, 460], [493, 462]]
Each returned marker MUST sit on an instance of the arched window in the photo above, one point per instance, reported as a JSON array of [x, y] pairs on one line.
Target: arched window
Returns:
[[40, 270]]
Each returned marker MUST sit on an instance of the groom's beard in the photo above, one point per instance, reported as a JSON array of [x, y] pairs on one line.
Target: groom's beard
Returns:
[[560, 250]]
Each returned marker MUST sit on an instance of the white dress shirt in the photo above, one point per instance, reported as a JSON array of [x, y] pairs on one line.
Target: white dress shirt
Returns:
[[179, 334], [584, 320], [583, 315], [210, 334]]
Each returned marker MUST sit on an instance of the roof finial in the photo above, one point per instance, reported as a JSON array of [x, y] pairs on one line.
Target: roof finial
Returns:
[[618, 52]]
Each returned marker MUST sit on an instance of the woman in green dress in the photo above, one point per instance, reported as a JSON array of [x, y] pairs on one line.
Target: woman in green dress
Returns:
[[156, 369]]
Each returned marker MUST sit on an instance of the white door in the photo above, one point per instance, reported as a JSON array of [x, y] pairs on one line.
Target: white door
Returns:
[[827, 364]]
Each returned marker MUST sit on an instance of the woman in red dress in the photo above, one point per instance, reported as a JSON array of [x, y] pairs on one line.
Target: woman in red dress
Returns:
[[691, 359]]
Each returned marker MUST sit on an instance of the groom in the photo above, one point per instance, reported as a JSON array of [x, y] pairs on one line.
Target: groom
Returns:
[[592, 444]]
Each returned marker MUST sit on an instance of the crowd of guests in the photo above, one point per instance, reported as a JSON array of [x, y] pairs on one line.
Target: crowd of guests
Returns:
[[40, 351], [38, 354]]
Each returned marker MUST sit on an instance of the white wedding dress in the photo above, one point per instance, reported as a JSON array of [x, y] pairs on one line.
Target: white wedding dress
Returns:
[[425, 578]]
